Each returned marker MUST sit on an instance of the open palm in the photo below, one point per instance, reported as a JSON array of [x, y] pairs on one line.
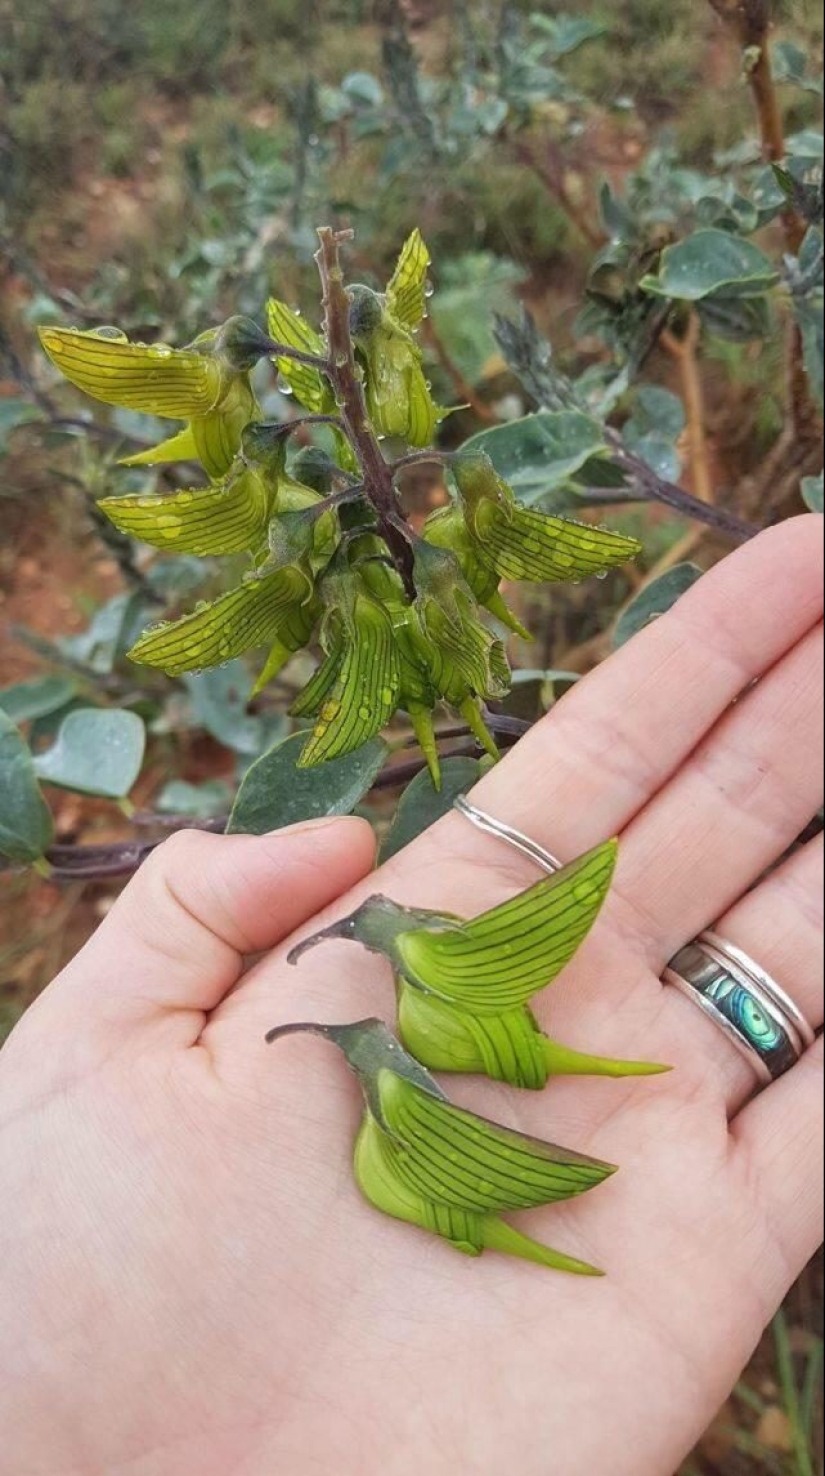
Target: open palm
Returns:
[[191, 1282]]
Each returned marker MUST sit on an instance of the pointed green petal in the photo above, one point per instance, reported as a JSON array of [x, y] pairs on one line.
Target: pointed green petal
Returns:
[[499, 1236], [407, 290], [423, 411], [180, 447], [171, 383], [240, 620], [524, 544], [424, 729], [501, 959], [365, 694], [310, 386], [218, 435], [471, 712], [454, 1157], [501, 611], [229, 518], [319, 686], [562, 1061]]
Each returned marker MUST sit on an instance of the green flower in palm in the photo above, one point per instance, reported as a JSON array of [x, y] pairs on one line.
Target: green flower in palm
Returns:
[[206, 384], [464, 988], [420, 1159]]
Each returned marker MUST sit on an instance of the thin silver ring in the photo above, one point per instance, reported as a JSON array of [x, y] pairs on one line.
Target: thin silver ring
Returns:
[[741, 998], [482, 821]]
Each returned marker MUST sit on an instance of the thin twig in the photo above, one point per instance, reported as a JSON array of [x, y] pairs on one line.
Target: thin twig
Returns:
[[685, 352], [551, 171], [348, 384]]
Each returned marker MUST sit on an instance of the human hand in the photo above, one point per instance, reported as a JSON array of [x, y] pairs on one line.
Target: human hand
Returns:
[[191, 1283]]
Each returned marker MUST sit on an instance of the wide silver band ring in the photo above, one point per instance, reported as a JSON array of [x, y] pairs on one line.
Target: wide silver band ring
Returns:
[[741, 998]]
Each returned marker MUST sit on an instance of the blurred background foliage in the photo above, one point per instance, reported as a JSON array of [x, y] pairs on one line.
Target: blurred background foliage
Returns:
[[162, 167]]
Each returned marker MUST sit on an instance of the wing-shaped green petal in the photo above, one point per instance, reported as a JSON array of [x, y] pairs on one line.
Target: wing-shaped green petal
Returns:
[[365, 694], [311, 387], [248, 616], [521, 543], [171, 383], [180, 447], [501, 959], [407, 290], [453, 1157], [225, 519]]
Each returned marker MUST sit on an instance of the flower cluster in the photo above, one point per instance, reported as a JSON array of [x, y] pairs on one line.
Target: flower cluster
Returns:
[[322, 545]]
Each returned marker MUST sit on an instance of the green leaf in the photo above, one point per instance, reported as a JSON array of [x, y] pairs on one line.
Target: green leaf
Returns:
[[14, 413], [109, 635], [736, 319], [276, 792], [657, 422], [711, 261], [790, 64], [421, 804], [25, 702], [26, 828], [199, 801], [97, 752], [219, 701], [539, 453], [655, 599], [813, 491]]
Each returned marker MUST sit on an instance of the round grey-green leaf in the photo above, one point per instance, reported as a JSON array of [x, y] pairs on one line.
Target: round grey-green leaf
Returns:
[[26, 828], [96, 752], [539, 453], [711, 261], [39, 697], [422, 804], [275, 792], [655, 599]]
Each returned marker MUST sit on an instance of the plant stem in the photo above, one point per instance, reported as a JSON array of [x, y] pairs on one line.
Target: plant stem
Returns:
[[685, 352], [751, 21], [550, 170], [654, 488], [347, 382]]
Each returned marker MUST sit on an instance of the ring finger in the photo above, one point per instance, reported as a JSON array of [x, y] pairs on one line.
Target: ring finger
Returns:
[[779, 925]]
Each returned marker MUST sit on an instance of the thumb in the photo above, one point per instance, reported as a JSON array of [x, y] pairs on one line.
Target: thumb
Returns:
[[176, 939]]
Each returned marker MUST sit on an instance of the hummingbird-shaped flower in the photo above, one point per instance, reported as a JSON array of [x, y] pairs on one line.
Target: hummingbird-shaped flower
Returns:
[[515, 542], [383, 327], [355, 690], [206, 384], [464, 987], [423, 1160], [276, 605], [231, 516]]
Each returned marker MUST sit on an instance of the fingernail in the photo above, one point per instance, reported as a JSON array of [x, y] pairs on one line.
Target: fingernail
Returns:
[[303, 827]]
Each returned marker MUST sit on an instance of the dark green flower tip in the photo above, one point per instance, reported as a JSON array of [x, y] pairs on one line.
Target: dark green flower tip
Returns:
[[315, 469], [263, 444], [376, 924], [241, 343], [366, 313]]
